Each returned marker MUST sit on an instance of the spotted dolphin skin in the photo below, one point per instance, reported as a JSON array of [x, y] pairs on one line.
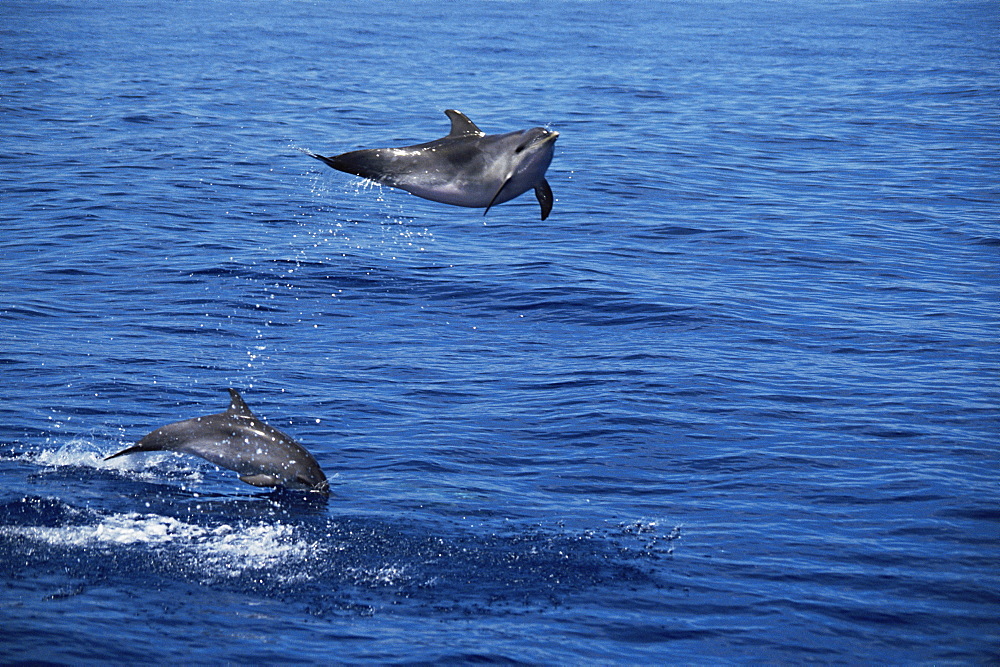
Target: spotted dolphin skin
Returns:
[[466, 168], [236, 439]]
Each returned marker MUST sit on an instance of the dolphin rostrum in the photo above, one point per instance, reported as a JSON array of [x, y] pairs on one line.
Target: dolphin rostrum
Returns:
[[465, 168], [236, 439]]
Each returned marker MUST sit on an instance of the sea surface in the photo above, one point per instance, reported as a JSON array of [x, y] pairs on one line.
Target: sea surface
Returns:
[[736, 401]]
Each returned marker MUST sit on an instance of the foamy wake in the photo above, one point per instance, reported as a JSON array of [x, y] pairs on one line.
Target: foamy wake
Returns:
[[224, 550]]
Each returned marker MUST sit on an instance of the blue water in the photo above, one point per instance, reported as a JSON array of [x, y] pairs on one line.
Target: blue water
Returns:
[[735, 401]]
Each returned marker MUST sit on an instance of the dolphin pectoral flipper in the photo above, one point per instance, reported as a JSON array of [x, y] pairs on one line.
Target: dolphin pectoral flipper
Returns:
[[544, 195], [260, 479], [497, 195]]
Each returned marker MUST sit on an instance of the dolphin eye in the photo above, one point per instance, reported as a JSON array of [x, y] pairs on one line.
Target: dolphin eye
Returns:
[[520, 148]]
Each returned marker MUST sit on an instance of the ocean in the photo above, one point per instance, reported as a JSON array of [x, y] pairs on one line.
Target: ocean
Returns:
[[735, 401]]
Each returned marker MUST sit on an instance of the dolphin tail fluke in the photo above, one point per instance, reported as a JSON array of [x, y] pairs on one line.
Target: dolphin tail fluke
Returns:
[[328, 160], [128, 450], [366, 163]]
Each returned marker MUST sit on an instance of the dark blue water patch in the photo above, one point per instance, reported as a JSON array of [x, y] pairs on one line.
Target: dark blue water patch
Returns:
[[139, 118], [36, 511]]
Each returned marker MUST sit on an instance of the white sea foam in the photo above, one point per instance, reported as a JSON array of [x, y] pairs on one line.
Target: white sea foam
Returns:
[[76, 452], [82, 453], [222, 550], [115, 529]]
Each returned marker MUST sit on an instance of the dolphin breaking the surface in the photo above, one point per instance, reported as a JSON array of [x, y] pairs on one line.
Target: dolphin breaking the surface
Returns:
[[236, 439], [466, 168]]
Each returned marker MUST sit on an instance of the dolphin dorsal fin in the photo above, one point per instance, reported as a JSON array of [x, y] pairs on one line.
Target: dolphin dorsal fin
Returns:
[[237, 406], [461, 126]]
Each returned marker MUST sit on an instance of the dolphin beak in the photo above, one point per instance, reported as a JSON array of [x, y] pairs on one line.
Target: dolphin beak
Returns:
[[548, 138]]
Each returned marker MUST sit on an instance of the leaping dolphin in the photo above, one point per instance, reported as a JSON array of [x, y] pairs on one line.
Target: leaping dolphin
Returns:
[[236, 439], [465, 168]]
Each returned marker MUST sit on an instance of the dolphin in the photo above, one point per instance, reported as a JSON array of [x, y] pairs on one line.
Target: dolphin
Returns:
[[466, 168], [236, 439]]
